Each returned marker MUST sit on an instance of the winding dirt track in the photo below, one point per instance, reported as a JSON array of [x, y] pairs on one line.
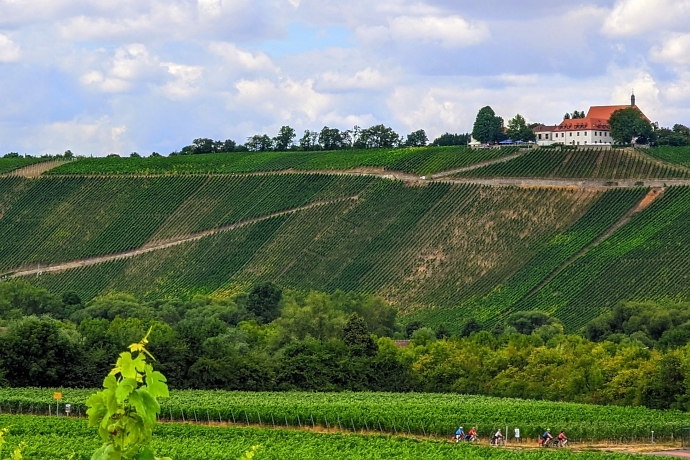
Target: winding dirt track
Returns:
[[155, 246]]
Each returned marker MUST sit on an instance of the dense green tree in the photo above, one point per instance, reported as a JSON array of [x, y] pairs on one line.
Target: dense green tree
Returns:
[[259, 143], [526, 322], [39, 353], [487, 127], [448, 139], [309, 140], [628, 124], [378, 136], [417, 139], [411, 328], [331, 139], [519, 131], [470, 327], [18, 297], [264, 302], [357, 337], [285, 139]]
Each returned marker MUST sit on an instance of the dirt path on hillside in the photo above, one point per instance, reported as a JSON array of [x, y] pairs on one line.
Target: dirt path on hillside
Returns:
[[650, 198], [34, 170], [478, 165], [158, 245]]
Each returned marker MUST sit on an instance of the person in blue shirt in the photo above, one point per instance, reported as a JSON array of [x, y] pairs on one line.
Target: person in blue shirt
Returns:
[[459, 435], [546, 438]]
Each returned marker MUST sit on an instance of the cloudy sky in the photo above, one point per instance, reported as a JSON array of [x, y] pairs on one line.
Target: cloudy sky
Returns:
[[105, 76]]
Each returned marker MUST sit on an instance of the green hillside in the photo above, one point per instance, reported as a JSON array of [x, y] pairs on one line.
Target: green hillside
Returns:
[[423, 160], [439, 245], [581, 164]]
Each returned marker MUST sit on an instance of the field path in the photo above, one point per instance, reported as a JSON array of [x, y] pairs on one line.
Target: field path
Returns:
[[155, 246], [648, 199]]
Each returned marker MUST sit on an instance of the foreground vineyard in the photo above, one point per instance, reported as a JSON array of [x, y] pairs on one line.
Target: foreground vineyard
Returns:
[[405, 243], [423, 414], [581, 164], [426, 160], [58, 438]]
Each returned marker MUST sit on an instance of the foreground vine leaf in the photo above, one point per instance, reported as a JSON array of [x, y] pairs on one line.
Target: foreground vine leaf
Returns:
[[125, 411]]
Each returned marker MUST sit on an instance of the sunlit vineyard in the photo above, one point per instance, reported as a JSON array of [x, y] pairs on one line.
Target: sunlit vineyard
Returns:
[[59, 438], [601, 216], [427, 414], [405, 243], [581, 164], [677, 155], [10, 164], [648, 259], [426, 160]]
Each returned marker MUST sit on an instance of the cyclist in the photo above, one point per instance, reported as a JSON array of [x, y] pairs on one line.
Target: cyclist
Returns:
[[459, 435], [497, 438], [472, 435], [562, 439], [546, 438]]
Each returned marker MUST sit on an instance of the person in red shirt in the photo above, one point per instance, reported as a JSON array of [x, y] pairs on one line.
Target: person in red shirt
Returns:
[[562, 439]]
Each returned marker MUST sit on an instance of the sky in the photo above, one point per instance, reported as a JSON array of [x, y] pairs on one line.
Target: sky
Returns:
[[105, 76]]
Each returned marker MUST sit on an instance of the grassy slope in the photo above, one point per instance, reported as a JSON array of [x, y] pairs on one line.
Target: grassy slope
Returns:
[[58, 438], [426, 160], [581, 164]]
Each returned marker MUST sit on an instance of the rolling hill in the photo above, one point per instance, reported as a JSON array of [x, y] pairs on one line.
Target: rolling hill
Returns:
[[442, 251]]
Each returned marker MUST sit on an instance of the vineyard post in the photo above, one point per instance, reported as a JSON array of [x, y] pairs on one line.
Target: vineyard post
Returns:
[[195, 419], [652, 436], [339, 426], [259, 415], [286, 423], [220, 419], [353, 425], [273, 421], [312, 421], [170, 410], [182, 411], [246, 417], [208, 417], [299, 422], [326, 419]]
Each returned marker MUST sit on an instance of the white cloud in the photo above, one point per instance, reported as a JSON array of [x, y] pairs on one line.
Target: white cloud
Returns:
[[185, 78], [128, 65], [449, 31], [9, 51], [243, 60], [364, 79], [286, 100], [675, 50], [634, 17]]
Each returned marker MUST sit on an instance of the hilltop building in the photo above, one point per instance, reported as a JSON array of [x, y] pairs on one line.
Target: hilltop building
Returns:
[[593, 130]]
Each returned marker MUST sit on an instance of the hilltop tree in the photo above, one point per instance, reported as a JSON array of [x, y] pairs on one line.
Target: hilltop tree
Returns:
[[519, 131], [331, 138], [378, 136], [417, 139], [627, 124], [264, 302], [451, 139], [259, 143], [285, 138], [488, 127], [310, 140]]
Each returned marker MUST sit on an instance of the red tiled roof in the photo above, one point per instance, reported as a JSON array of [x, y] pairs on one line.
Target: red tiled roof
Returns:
[[597, 118]]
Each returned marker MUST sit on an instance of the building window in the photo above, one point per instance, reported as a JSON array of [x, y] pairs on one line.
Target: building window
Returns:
[[571, 134], [578, 133], [540, 136]]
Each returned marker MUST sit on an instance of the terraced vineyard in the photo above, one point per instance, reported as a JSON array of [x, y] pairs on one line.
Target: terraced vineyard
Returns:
[[406, 243], [111, 215], [423, 414], [581, 164], [648, 259], [10, 164], [676, 155], [59, 438], [425, 160]]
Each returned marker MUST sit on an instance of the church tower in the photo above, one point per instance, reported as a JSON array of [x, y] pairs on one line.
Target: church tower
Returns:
[[632, 100]]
